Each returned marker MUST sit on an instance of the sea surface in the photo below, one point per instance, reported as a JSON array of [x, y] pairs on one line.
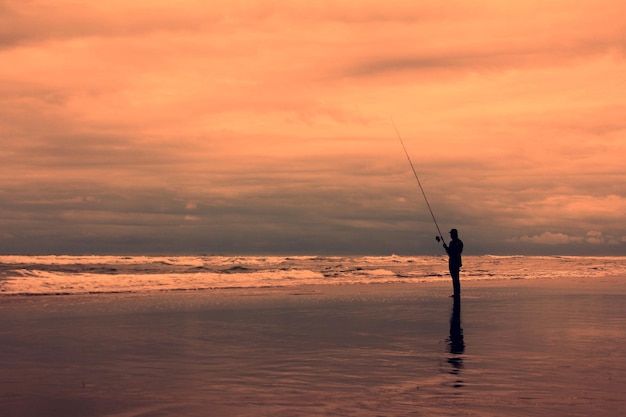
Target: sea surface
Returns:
[[296, 336], [64, 275]]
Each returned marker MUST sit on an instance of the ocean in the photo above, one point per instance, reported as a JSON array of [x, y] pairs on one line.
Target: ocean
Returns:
[[303, 336], [64, 275]]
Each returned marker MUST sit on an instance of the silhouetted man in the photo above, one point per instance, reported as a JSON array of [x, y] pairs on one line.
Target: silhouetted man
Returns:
[[454, 250]]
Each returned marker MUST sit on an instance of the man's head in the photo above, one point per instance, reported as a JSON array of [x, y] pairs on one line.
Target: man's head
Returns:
[[454, 233]]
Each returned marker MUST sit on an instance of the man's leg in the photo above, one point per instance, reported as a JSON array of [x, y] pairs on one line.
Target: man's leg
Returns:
[[456, 281]]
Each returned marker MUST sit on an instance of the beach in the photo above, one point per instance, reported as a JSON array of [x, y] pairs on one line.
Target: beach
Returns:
[[544, 347]]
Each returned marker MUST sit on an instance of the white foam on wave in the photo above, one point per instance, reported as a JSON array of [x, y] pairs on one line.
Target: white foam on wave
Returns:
[[41, 282], [97, 274]]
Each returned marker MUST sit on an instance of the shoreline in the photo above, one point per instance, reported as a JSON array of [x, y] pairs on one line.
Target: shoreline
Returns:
[[342, 287], [101, 276]]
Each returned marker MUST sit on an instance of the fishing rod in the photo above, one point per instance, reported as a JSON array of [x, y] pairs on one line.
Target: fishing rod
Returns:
[[418, 181]]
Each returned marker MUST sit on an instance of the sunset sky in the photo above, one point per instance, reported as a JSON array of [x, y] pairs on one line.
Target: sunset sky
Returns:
[[258, 127]]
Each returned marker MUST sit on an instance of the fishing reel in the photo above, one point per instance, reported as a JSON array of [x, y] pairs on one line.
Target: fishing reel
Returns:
[[438, 238]]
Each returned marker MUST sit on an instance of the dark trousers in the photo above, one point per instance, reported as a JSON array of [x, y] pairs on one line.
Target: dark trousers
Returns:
[[456, 280]]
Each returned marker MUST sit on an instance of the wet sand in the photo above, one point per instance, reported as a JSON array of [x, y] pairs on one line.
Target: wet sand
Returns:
[[517, 348]]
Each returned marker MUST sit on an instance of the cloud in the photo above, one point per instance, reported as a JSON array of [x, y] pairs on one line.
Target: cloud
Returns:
[[27, 22], [550, 238], [258, 126]]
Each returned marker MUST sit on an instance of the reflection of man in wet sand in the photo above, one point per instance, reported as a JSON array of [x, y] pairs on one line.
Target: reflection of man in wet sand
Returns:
[[454, 250], [456, 344]]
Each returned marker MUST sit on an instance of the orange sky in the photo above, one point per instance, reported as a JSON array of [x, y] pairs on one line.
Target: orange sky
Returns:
[[243, 126]]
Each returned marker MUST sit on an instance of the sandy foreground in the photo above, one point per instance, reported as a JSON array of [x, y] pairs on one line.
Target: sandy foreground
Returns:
[[515, 348]]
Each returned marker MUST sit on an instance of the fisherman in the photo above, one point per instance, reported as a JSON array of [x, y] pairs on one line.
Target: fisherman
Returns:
[[454, 250], [456, 246]]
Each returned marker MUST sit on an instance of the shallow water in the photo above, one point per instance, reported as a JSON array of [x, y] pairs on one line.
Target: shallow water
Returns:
[[532, 348], [62, 275]]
